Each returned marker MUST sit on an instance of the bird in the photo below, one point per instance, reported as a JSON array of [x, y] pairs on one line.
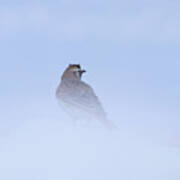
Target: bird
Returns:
[[78, 98]]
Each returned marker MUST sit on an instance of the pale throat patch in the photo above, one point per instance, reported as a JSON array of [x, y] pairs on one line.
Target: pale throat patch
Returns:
[[76, 72]]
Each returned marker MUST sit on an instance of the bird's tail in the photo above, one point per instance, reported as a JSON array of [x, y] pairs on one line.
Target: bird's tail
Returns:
[[108, 124]]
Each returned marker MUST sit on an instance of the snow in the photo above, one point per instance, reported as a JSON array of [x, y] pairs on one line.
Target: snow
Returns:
[[52, 148]]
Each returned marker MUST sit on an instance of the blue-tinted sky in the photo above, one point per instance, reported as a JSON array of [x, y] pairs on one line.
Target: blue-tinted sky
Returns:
[[132, 45]]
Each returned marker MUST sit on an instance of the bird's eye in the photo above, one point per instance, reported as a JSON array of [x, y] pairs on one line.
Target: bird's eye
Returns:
[[76, 69]]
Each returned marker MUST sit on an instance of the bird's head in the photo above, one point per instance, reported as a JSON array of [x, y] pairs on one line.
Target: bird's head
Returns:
[[73, 72]]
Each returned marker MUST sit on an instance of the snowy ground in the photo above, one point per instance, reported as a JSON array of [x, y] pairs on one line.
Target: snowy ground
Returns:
[[49, 147]]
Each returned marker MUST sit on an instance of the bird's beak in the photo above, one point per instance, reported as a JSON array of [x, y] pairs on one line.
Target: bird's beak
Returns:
[[82, 71]]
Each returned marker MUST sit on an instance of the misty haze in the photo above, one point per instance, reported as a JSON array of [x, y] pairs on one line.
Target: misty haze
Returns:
[[119, 119]]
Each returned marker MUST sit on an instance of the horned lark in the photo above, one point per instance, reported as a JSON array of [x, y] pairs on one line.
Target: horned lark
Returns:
[[78, 98]]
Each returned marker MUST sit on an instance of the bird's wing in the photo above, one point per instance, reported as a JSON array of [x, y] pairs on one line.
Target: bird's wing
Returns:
[[85, 97], [82, 100]]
